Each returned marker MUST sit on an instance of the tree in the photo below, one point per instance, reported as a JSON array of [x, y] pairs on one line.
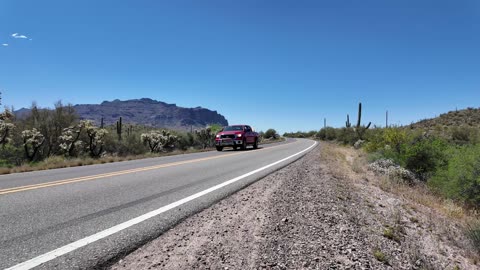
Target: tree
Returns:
[[51, 123], [158, 141], [271, 133], [215, 128], [32, 141]]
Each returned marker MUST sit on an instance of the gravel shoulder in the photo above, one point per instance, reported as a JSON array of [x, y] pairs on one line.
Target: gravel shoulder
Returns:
[[320, 212]]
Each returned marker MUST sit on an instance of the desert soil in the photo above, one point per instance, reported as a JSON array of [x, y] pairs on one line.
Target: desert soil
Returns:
[[321, 212]]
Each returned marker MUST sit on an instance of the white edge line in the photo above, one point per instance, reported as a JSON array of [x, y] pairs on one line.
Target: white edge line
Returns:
[[117, 228]]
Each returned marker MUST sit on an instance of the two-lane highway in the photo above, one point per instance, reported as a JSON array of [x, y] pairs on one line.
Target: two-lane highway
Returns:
[[85, 216]]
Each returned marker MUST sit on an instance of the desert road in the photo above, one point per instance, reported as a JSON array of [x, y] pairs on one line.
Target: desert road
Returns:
[[85, 217]]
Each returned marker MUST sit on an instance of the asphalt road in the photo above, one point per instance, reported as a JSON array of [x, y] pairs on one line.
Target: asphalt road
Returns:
[[86, 217]]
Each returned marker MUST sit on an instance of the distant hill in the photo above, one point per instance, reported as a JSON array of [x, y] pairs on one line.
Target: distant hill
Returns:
[[147, 112], [467, 117]]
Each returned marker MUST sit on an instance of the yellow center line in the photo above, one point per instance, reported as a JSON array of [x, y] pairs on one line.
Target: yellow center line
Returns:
[[105, 175]]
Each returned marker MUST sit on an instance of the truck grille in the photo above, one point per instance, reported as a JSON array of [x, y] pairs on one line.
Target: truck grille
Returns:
[[227, 136]]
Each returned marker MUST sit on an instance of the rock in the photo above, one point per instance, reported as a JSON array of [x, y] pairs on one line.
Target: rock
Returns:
[[358, 144], [145, 111]]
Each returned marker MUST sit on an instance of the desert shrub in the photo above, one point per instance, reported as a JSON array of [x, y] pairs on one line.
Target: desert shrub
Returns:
[[270, 133], [311, 134], [185, 140], [129, 145], [395, 138], [346, 135], [205, 137], [390, 138], [424, 155], [330, 134], [473, 233], [464, 135], [326, 134], [460, 178], [321, 134], [11, 155]]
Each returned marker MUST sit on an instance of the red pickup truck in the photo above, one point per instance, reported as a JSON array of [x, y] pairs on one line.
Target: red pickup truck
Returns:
[[236, 136]]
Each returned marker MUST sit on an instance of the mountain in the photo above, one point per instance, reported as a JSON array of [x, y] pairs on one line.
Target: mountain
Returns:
[[146, 112], [469, 117]]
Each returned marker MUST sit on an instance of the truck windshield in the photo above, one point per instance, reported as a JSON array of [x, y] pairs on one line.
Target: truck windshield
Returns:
[[233, 128]]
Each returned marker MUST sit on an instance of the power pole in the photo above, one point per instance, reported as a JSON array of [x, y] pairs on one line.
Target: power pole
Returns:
[[324, 122]]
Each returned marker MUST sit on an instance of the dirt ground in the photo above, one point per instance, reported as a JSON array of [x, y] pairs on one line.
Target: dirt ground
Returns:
[[324, 211]]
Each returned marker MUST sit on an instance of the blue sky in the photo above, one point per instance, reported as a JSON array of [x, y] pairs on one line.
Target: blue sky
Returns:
[[281, 64]]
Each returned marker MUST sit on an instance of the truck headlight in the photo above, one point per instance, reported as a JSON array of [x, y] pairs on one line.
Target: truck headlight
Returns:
[[218, 136], [239, 135]]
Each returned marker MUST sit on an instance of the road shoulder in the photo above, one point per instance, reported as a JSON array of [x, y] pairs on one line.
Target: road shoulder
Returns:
[[308, 215]]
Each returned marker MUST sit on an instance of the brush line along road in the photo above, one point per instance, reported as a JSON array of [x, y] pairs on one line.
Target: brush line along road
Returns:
[[84, 217]]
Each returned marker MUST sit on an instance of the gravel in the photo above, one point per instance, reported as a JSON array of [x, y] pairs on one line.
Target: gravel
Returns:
[[303, 216]]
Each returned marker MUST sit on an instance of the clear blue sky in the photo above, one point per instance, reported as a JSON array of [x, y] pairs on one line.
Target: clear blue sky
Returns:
[[281, 64]]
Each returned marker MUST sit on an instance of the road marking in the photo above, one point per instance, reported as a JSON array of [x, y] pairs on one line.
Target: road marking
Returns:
[[117, 228], [105, 175]]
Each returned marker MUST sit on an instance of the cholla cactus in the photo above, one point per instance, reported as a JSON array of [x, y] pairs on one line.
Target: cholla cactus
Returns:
[[32, 141], [96, 138], [6, 128], [69, 140], [205, 136], [158, 141]]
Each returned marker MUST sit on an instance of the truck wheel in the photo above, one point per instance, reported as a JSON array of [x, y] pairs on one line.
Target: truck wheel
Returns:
[[255, 144], [234, 148], [244, 145], [219, 148]]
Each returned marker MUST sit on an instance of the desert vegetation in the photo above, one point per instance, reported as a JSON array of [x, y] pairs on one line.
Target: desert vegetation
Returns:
[[438, 156], [53, 138]]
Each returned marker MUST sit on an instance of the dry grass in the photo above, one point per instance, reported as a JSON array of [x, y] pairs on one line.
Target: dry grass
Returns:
[[57, 162], [352, 164], [355, 163], [269, 141], [380, 256]]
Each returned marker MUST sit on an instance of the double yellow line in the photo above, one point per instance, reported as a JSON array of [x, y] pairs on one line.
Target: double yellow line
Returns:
[[104, 175]]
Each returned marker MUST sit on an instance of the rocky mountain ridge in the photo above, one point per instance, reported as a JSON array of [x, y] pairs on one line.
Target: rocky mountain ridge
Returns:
[[145, 111]]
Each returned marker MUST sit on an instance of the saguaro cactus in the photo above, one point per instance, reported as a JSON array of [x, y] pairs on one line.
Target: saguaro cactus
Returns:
[[119, 129], [386, 119], [347, 123], [101, 123], [359, 129]]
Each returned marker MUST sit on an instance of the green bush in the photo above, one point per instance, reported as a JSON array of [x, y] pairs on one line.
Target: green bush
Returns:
[[321, 134], [11, 155], [330, 134], [424, 155], [464, 135], [326, 134], [460, 178], [271, 133], [346, 135], [379, 139]]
